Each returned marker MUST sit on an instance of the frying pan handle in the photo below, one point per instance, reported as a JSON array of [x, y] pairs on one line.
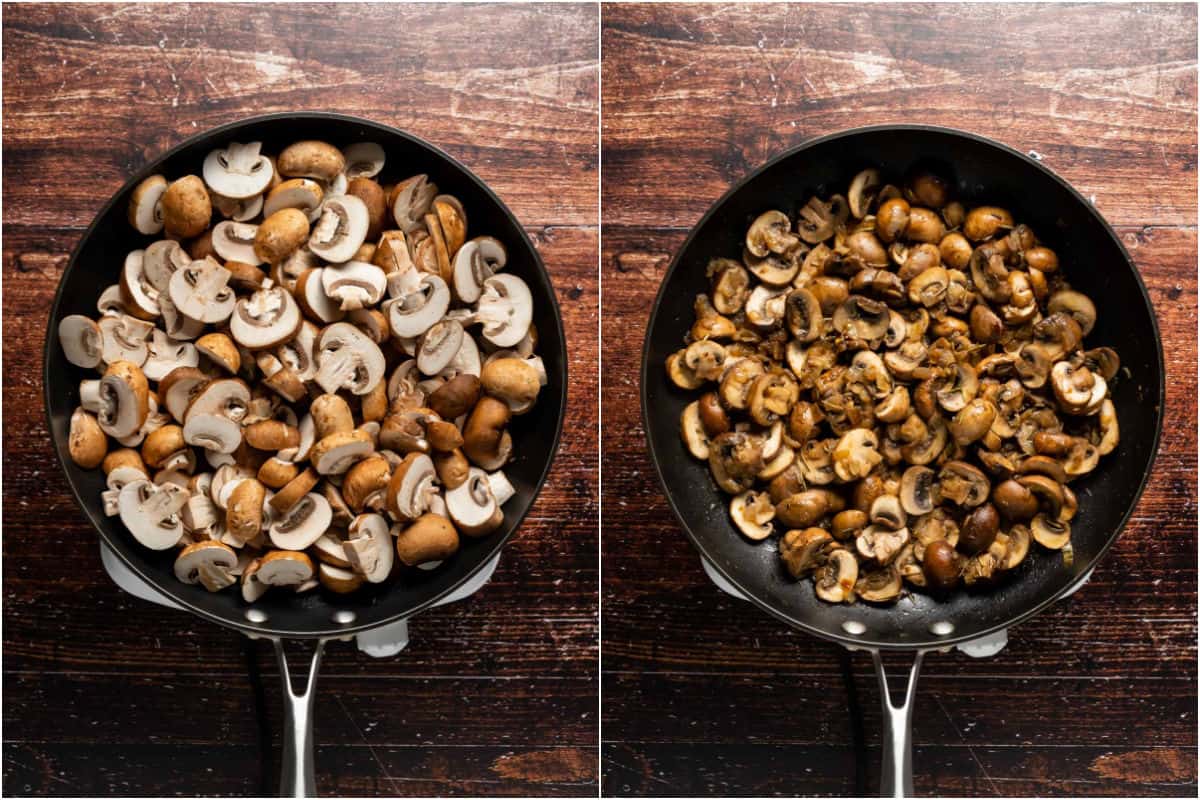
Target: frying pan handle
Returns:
[[897, 773], [298, 778]]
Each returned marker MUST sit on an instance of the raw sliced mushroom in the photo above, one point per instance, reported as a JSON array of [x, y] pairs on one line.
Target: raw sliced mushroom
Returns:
[[354, 284], [200, 291], [340, 230], [411, 200], [363, 160], [302, 524], [416, 312], [80, 339], [238, 171], [265, 319], [347, 358], [151, 513], [505, 308], [124, 399], [752, 513], [234, 241], [475, 262], [208, 563], [472, 507], [145, 205]]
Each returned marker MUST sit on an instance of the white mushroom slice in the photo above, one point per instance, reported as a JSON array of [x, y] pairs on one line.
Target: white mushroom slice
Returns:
[[753, 513], [89, 396], [179, 387], [363, 160], [502, 488], [354, 285], [200, 291], [472, 506], [210, 564], [81, 341], [439, 345], [176, 324], [161, 260], [465, 362], [369, 549], [229, 397], [289, 271], [110, 501], [413, 486], [267, 318], [237, 210], [277, 568], [166, 355], [302, 193], [202, 518], [330, 549], [124, 400], [475, 262], [151, 513], [123, 338], [140, 297], [310, 293], [145, 205], [212, 432], [303, 524], [348, 359], [299, 354], [341, 229], [234, 241], [415, 313], [122, 476], [153, 421], [337, 452], [414, 198], [308, 437], [238, 171], [110, 302], [505, 308]]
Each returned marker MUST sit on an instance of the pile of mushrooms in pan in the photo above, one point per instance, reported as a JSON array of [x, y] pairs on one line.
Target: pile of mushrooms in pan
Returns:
[[308, 378], [897, 384]]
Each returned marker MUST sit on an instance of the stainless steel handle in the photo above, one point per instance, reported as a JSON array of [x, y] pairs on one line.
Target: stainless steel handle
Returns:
[[298, 776], [897, 773]]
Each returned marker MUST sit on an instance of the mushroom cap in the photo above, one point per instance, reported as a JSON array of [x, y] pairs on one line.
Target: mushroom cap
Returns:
[[237, 171], [80, 340], [340, 230], [160, 261], [228, 397], [485, 441], [123, 338], [302, 524], [311, 159], [299, 193], [505, 308], [208, 563], [86, 441], [338, 579], [266, 319], [366, 483], [186, 207], [151, 513], [431, 537]]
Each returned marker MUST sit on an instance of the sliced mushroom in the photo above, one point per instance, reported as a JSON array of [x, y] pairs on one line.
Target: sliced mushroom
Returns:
[[880, 585], [475, 262], [963, 484], [265, 319], [354, 285], [369, 549], [505, 308], [81, 341], [200, 291], [411, 200], [151, 513], [210, 564], [803, 550], [752, 513], [340, 230], [238, 171], [302, 524], [835, 579], [124, 399], [145, 205], [416, 312]]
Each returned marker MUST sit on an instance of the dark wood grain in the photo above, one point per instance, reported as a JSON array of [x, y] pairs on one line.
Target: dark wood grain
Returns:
[[109, 695], [704, 694]]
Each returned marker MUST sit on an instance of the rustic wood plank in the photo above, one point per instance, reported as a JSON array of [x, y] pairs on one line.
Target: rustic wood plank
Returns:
[[695, 96], [764, 770], [354, 770], [518, 105], [494, 695]]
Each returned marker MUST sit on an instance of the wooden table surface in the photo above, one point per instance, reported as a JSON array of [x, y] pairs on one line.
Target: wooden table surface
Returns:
[[108, 695], [703, 694]]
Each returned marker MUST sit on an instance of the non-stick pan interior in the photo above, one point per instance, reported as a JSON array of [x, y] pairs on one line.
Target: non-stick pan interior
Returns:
[[95, 265], [1094, 262]]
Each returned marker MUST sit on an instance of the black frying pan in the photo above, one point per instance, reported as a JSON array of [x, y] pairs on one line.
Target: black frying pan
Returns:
[[1095, 263], [95, 264]]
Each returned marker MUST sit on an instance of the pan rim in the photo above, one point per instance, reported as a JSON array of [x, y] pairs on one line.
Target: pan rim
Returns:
[[866, 642], [332, 630]]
